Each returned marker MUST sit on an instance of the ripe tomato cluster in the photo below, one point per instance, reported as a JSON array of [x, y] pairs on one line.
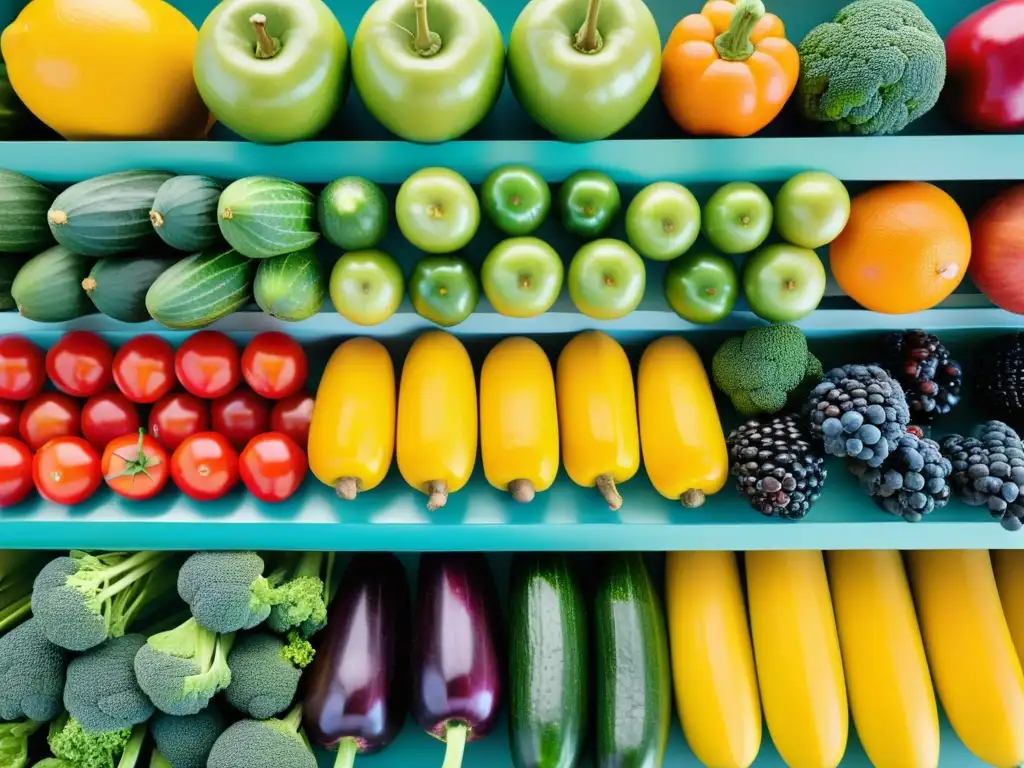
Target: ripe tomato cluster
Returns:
[[205, 416]]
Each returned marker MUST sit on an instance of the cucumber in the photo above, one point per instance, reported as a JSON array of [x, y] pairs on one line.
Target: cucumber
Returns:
[[23, 206], [291, 287], [48, 288], [200, 289], [107, 215], [633, 691], [262, 217], [548, 657], [117, 287], [184, 213], [9, 267]]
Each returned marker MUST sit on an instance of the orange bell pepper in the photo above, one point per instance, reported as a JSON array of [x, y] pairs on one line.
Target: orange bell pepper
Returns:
[[728, 70]]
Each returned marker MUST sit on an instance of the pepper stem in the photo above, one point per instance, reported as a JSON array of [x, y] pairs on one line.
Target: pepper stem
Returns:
[[455, 740], [267, 47], [347, 752], [588, 39], [734, 44], [426, 42], [606, 485]]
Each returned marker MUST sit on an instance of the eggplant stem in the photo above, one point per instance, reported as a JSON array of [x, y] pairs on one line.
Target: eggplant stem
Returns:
[[606, 485], [455, 738], [437, 490], [522, 491], [347, 751]]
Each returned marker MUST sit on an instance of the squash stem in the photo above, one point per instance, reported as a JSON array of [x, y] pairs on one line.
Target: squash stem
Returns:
[[692, 498], [522, 491], [267, 47], [734, 44], [455, 741], [426, 42], [347, 488], [606, 485], [347, 751], [437, 490], [588, 39]]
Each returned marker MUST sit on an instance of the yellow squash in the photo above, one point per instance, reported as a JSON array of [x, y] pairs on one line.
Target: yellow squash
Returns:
[[437, 417], [518, 418], [597, 414], [712, 659], [973, 663], [887, 678], [680, 433], [1008, 565], [352, 432], [106, 69], [796, 647]]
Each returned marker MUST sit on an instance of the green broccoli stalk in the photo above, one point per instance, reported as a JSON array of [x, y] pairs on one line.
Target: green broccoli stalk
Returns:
[[112, 749], [263, 744], [877, 66], [159, 761], [32, 670], [265, 673], [14, 742], [185, 742], [298, 591], [18, 569], [53, 762], [765, 369], [101, 691]]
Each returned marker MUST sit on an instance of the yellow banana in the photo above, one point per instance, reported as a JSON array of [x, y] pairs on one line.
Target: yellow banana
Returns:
[[1008, 565]]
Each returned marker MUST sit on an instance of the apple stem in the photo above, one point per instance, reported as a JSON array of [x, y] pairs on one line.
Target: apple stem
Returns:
[[588, 39], [734, 44], [267, 47], [606, 485], [426, 42]]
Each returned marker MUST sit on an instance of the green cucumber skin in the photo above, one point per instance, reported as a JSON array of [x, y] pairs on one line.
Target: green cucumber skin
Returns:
[[48, 288], [23, 206], [118, 287], [184, 213], [262, 217], [107, 215], [201, 289], [9, 268], [291, 287], [634, 684], [548, 663]]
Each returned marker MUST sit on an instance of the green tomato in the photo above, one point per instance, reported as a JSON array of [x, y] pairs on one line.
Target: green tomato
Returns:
[[607, 279], [353, 213], [516, 199], [366, 287], [812, 209], [437, 210], [702, 287], [428, 71], [522, 277], [737, 218], [588, 203], [783, 282], [663, 221], [444, 289]]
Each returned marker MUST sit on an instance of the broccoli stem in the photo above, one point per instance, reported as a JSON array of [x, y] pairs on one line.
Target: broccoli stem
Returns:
[[347, 751], [734, 44], [15, 613], [294, 718], [133, 749], [123, 577]]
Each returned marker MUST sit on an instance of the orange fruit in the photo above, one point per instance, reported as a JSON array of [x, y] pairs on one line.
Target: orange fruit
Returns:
[[905, 248]]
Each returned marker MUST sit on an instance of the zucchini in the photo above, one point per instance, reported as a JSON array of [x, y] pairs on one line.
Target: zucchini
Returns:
[[633, 691], [48, 288], [291, 287], [261, 217], [107, 215], [9, 267], [200, 289], [548, 659], [184, 213], [117, 287], [23, 206]]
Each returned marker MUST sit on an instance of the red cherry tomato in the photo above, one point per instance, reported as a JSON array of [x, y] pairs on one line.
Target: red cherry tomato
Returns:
[[22, 368], [106, 416], [272, 466], [9, 414], [292, 416], [177, 416], [144, 369], [135, 466], [67, 470], [274, 365], [205, 466], [48, 416], [15, 471], [240, 416], [79, 364], [208, 364]]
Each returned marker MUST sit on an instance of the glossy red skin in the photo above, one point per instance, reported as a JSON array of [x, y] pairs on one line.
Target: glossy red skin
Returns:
[[67, 470], [240, 416], [205, 466], [80, 364], [139, 486], [208, 364], [177, 416], [358, 686], [456, 664], [10, 412], [272, 466], [144, 368], [22, 368], [292, 416], [15, 471], [48, 416], [274, 365], [997, 249], [107, 416], [985, 68]]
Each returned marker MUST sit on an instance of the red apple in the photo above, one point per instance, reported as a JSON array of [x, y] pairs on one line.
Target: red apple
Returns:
[[997, 244]]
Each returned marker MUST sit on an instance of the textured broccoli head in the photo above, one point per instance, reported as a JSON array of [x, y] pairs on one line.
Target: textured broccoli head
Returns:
[[878, 65], [33, 672], [298, 591], [265, 673], [218, 587], [14, 742], [69, 741], [263, 744], [185, 742], [101, 691]]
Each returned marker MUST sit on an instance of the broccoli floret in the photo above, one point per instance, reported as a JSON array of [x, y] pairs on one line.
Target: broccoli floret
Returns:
[[877, 66], [762, 370], [300, 602], [265, 673], [263, 744], [33, 671], [84, 599], [18, 569], [182, 669], [185, 742], [14, 742], [53, 762], [101, 691], [112, 749]]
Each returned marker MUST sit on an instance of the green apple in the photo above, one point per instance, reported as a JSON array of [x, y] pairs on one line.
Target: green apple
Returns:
[[607, 279], [783, 282], [522, 277], [663, 221], [702, 287]]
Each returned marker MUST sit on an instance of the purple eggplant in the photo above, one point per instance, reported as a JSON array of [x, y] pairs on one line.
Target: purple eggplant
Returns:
[[356, 690], [457, 679]]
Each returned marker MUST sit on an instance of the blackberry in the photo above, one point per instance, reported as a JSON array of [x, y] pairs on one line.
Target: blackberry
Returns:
[[931, 380], [858, 411], [998, 376], [911, 482], [775, 467], [988, 470]]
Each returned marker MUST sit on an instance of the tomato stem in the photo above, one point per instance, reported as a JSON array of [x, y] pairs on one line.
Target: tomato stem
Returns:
[[425, 43], [139, 465], [734, 44], [267, 47], [588, 39]]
